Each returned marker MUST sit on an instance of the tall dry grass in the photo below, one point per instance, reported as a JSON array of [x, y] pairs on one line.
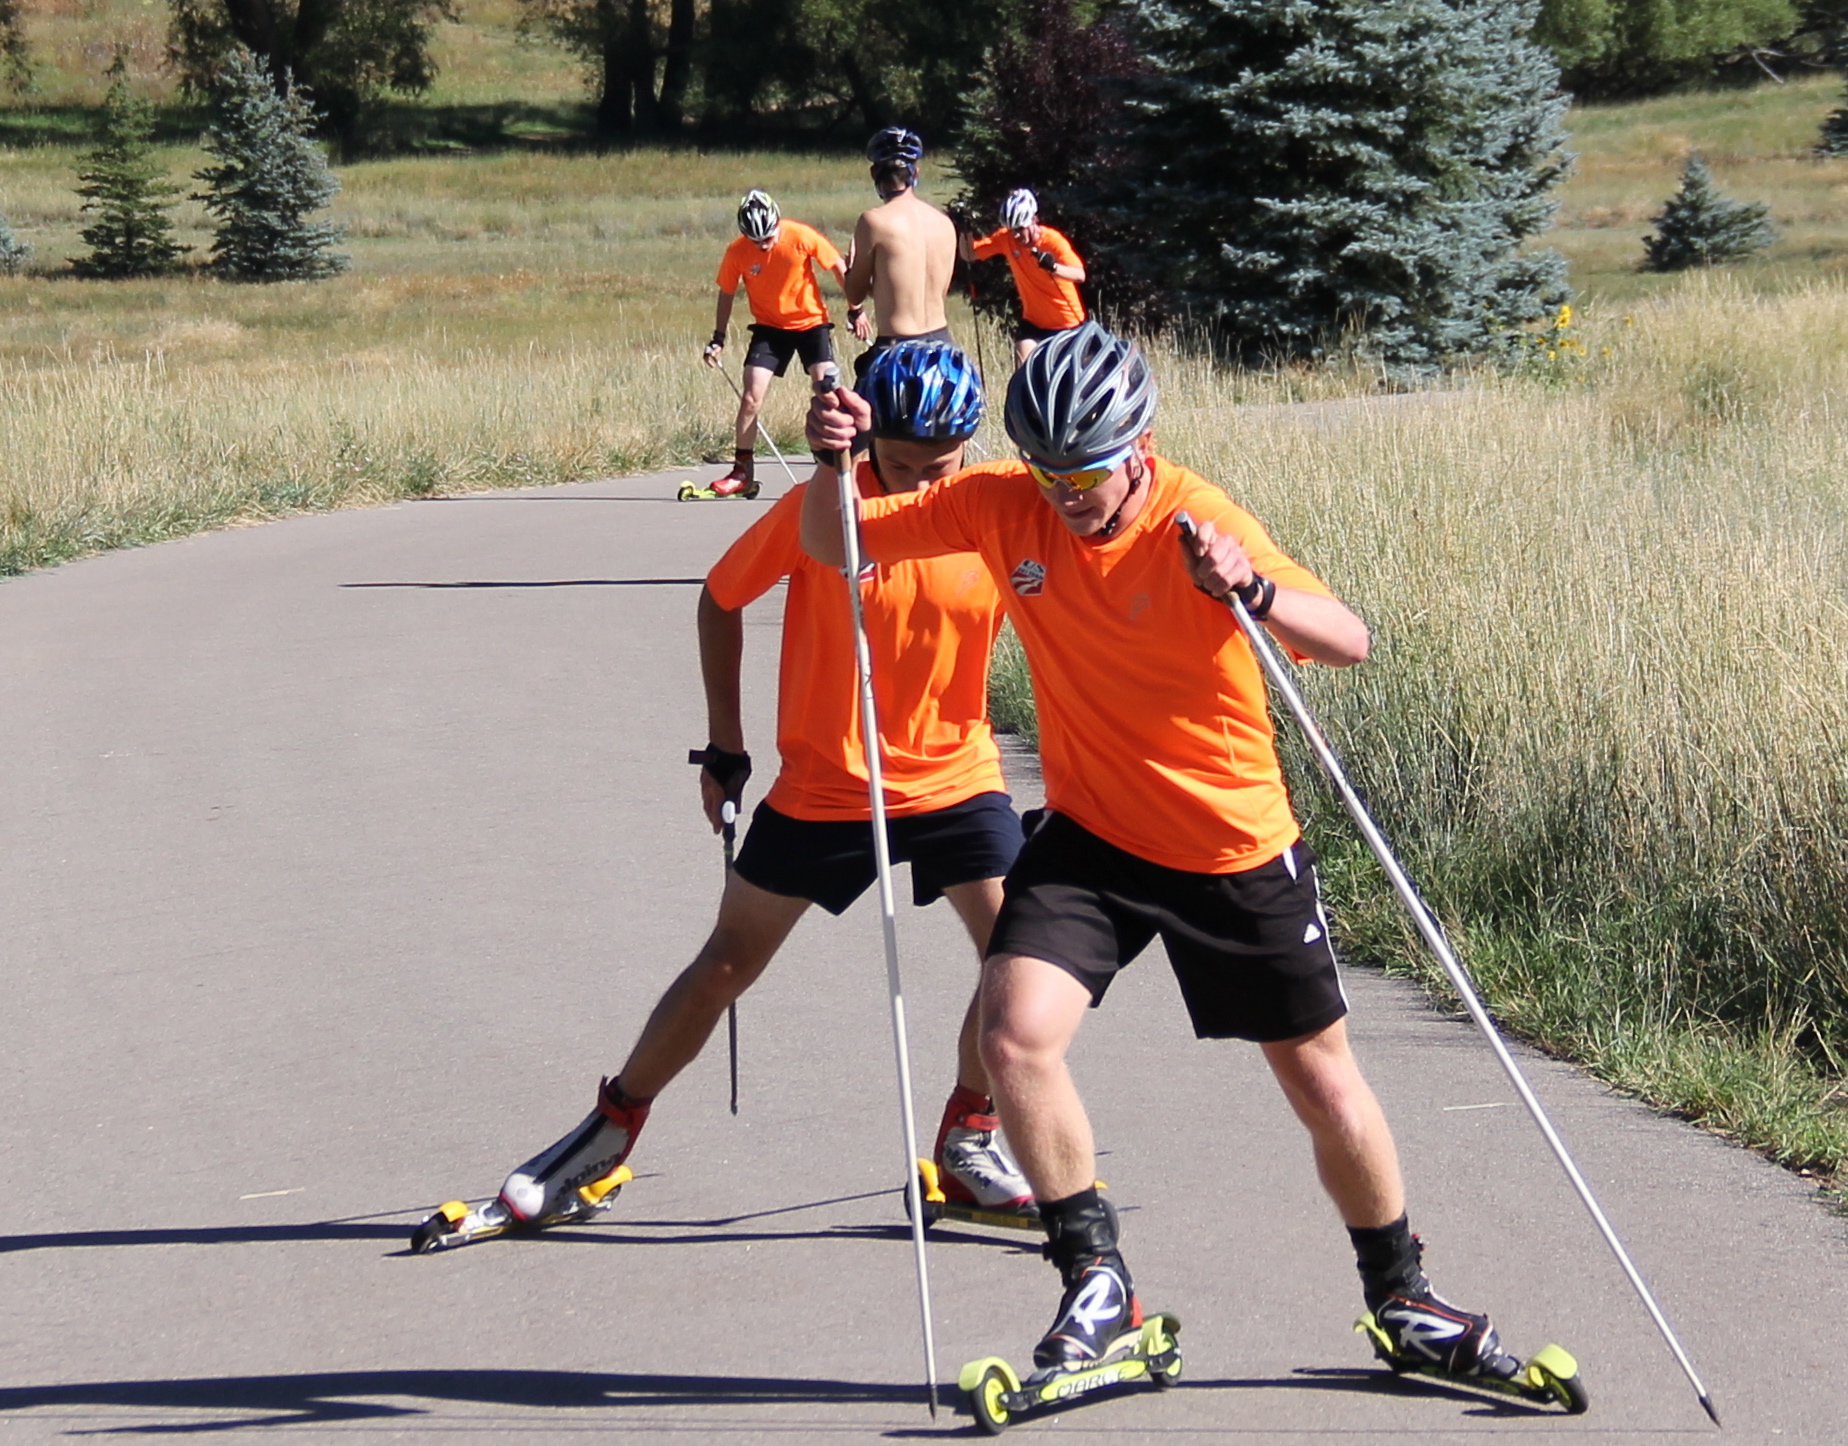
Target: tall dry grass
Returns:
[[1607, 709]]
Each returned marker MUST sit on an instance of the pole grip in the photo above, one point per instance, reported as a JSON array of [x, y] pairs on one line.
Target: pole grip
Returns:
[[830, 381]]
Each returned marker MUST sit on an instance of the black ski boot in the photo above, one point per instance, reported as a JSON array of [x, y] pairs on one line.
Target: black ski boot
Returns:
[[1424, 1330], [1099, 1305]]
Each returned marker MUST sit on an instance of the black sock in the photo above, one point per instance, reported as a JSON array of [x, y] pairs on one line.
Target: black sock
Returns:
[[744, 457], [1387, 1256], [1078, 1230]]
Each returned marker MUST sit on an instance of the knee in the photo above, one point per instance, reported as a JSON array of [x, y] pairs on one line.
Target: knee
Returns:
[[724, 969]]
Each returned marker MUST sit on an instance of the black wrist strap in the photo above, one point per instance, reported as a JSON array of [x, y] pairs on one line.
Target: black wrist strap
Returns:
[[1257, 596], [718, 338], [731, 771]]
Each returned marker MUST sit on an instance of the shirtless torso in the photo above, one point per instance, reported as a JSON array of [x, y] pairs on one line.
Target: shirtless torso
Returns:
[[903, 253]]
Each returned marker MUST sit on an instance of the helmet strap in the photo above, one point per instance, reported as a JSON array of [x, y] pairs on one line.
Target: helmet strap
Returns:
[[1135, 485]]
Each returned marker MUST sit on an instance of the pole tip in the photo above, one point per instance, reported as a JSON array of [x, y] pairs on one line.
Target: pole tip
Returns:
[[933, 1401], [1707, 1402]]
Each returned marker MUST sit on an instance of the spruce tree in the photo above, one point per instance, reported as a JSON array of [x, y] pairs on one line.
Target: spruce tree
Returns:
[[1834, 140], [13, 252], [1700, 227], [270, 179], [126, 189], [1304, 171]]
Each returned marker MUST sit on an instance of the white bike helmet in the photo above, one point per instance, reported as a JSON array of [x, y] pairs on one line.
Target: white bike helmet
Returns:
[[758, 216], [1020, 210]]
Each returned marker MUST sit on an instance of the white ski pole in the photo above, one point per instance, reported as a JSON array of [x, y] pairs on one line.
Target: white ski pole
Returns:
[[762, 430], [1274, 669], [882, 859]]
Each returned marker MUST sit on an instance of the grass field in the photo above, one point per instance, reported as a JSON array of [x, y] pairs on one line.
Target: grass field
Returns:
[[1605, 716]]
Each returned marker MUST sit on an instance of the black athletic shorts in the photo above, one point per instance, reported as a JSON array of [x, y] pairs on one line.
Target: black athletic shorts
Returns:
[[880, 343], [772, 347], [1027, 331], [1250, 950], [830, 862]]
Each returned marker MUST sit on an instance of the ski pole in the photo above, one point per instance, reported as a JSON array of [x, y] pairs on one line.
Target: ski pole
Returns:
[[728, 817], [882, 859], [762, 430], [1274, 669]]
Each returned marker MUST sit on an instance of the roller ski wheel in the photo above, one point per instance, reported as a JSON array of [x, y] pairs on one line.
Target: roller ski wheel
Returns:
[[998, 1396], [1549, 1377], [456, 1222]]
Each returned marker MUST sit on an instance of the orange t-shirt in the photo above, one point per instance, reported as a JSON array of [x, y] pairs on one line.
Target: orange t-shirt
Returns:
[[1154, 730], [1045, 300], [779, 282], [930, 626]]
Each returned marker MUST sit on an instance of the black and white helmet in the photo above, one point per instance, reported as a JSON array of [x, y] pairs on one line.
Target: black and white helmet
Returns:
[[1081, 396], [1020, 210], [758, 216]]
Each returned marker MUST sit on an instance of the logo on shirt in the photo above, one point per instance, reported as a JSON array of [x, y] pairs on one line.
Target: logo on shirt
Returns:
[[1029, 578], [869, 571]]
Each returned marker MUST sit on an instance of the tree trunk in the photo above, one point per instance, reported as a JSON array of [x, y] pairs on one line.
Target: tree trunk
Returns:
[[871, 111], [615, 117], [642, 67], [679, 68]]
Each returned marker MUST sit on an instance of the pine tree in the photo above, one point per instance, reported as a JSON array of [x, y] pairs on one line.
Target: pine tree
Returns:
[[1308, 171], [1834, 140], [126, 188], [1700, 227], [13, 252], [270, 178]]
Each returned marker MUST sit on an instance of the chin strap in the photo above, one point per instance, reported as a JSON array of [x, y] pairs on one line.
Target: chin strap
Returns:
[[1116, 518]]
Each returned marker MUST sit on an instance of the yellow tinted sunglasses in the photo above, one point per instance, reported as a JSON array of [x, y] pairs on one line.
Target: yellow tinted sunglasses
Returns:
[[1081, 479]]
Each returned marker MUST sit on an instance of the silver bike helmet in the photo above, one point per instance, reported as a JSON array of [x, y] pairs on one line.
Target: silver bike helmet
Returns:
[[1083, 394], [758, 216], [1020, 210]]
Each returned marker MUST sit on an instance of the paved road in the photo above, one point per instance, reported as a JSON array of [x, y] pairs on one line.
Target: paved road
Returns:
[[338, 857]]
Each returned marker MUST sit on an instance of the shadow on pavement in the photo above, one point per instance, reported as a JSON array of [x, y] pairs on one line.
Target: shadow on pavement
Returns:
[[336, 1395], [204, 1235]]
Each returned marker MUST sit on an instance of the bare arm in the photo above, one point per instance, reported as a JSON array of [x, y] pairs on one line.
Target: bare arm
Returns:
[[720, 321], [860, 264], [835, 418], [721, 659], [1318, 627]]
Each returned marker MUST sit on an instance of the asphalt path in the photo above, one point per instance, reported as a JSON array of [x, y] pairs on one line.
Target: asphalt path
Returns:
[[340, 856]]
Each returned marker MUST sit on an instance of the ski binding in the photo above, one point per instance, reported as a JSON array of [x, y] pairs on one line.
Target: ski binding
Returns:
[[1148, 1352], [456, 1222], [938, 1206], [1549, 1376]]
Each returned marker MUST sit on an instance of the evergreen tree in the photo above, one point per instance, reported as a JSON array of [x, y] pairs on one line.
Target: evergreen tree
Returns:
[[1834, 140], [126, 189], [1303, 170], [13, 252], [1700, 227], [270, 178], [14, 66]]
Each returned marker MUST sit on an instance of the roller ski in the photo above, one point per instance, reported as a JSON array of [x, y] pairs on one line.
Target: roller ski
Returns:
[[1149, 1352], [572, 1181], [738, 484], [1415, 1331]]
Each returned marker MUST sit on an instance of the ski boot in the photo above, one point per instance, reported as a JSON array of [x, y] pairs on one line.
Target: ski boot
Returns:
[[1414, 1330], [740, 482], [974, 1177], [576, 1178], [1100, 1338]]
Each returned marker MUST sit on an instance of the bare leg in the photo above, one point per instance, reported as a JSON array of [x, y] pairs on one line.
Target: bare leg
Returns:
[[756, 387], [977, 903], [1354, 1153], [1022, 350], [752, 926], [1031, 1011]]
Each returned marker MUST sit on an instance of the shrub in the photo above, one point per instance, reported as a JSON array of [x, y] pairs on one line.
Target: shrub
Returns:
[[1834, 140], [270, 178], [126, 189], [13, 252], [1700, 227]]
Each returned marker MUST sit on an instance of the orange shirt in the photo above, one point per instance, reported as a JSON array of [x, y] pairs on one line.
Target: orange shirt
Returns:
[[930, 626], [779, 282], [1154, 731], [1045, 300]]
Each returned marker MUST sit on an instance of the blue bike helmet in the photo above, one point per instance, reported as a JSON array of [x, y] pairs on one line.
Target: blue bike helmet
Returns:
[[895, 151], [922, 391]]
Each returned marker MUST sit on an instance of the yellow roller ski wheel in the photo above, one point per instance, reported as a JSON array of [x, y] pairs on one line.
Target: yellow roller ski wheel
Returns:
[[1552, 1369], [990, 1403]]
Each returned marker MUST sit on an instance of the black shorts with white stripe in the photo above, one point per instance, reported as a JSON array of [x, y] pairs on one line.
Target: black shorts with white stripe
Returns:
[[1250, 950]]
